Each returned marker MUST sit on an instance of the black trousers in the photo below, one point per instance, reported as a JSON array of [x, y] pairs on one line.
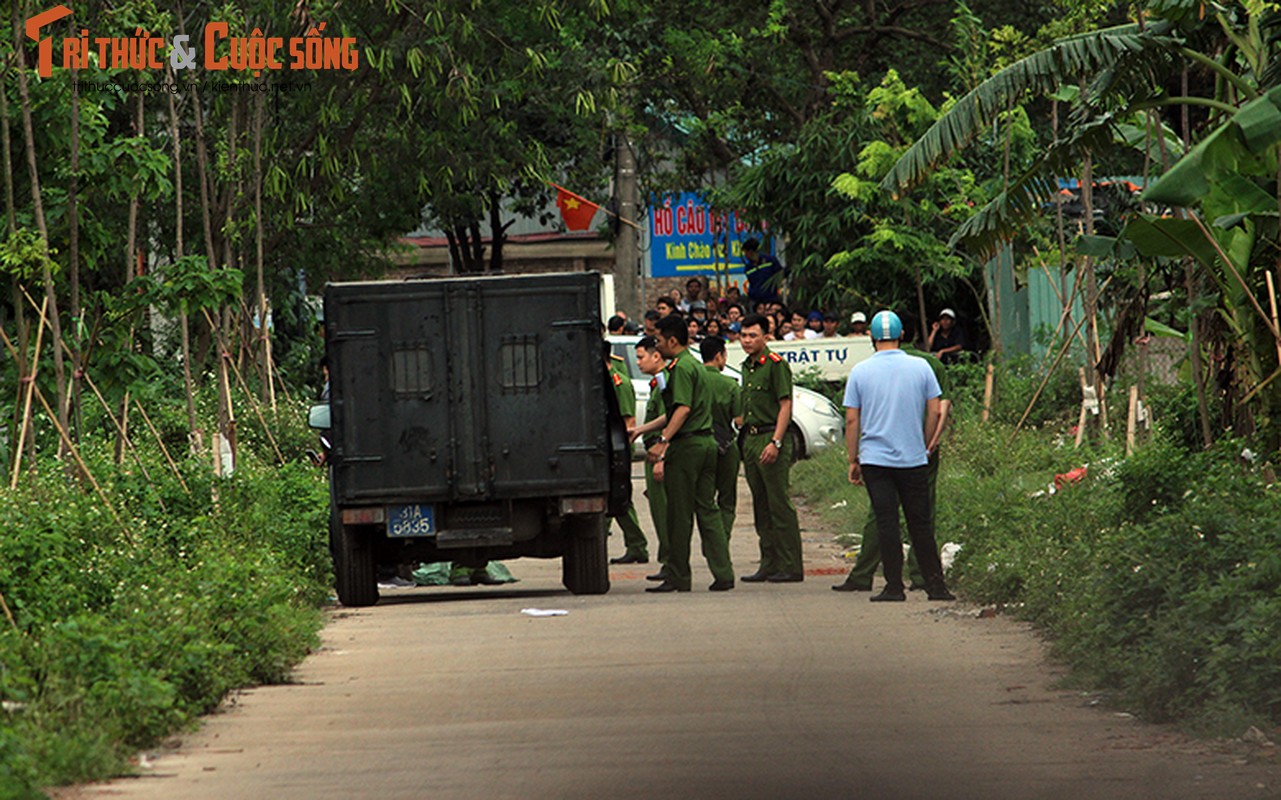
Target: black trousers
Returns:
[[890, 488]]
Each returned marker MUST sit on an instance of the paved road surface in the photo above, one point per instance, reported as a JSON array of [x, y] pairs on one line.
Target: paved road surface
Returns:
[[763, 692]]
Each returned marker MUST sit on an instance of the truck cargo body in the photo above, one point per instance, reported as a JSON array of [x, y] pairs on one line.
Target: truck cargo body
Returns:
[[471, 420]]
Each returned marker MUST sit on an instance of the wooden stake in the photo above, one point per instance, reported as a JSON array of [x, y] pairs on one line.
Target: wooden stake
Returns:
[[253, 404], [1080, 425], [1272, 299], [125, 438], [160, 441], [1132, 420], [26, 406], [987, 391], [84, 468]]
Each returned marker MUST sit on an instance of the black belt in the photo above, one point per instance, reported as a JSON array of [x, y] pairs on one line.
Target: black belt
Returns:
[[757, 430], [685, 434]]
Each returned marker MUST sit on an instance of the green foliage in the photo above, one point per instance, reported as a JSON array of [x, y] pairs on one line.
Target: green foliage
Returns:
[[127, 631], [1155, 577]]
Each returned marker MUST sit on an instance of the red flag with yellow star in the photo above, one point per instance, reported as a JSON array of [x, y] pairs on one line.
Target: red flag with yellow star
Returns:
[[575, 210]]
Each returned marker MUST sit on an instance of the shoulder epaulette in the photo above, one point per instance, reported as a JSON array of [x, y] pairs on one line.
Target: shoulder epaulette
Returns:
[[653, 383], [775, 357]]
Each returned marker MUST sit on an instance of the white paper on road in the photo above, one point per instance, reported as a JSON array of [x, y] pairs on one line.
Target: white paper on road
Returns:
[[544, 612]]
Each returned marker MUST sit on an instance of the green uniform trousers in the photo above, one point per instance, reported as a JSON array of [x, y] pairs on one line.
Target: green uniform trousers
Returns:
[[689, 473], [869, 551], [727, 486], [656, 493], [633, 536], [775, 516]]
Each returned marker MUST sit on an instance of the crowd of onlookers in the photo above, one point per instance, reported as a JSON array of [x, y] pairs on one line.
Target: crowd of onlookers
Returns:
[[710, 313], [721, 314]]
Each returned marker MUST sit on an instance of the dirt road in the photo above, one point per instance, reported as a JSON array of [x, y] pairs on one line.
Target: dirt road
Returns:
[[768, 691]]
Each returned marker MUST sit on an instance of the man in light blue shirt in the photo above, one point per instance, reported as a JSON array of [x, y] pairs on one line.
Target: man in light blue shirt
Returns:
[[886, 398]]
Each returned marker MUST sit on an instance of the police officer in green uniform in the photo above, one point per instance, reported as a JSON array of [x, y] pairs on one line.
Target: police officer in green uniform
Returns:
[[651, 362], [869, 550], [726, 420], [685, 456], [637, 550], [767, 456]]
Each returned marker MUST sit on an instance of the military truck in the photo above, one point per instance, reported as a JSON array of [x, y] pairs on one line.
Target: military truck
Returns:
[[470, 419]]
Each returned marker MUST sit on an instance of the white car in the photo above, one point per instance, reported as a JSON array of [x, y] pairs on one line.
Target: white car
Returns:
[[817, 423]]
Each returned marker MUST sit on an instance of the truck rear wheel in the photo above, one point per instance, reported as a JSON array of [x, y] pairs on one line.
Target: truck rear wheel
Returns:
[[355, 574], [586, 562]]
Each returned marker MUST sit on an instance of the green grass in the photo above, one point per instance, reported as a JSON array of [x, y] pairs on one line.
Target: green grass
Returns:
[[125, 631], [1155, 578]]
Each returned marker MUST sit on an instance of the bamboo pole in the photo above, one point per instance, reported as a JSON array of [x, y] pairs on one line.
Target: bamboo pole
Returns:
[[1131, 420], [253, 404], [1080, 424], [124, 436], [1272, 301], [84, 468], [1062, 352], [160, 441], [987, 391], [26, 409]]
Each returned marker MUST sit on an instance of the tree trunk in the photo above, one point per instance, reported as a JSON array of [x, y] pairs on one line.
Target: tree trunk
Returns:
[[73, 252], [268, 386], [55, 324], [194, 437], [204, 338], [497, 232], [11, 225]]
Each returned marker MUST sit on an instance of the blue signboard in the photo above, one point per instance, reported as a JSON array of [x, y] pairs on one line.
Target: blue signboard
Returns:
[[687, 238]]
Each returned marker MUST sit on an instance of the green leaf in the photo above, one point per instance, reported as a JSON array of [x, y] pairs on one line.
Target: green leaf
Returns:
[[1169, 238], [1161, 329], [1256, 127]]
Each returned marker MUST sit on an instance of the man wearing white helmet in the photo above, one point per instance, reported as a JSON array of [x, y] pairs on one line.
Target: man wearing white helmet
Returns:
[[886, 398]]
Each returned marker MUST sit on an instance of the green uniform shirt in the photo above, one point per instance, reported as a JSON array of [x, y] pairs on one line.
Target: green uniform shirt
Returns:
[[725, 394], [940, 371], [622, 387], [767, 380], [653, 410], [686, 386]]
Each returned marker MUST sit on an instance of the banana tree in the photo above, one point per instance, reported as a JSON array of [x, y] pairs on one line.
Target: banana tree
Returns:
[[1215, 205]]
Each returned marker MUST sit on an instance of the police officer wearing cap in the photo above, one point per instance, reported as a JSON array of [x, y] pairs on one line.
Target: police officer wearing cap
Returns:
[[886, 398], [767, 456], [685, 456], [637, 550], [726, 420]]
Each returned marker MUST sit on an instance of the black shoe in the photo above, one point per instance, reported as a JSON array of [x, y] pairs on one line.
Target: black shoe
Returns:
[[661, 575], [889, 595], [629, 558], [850, 586], [667, 586], [760, 576], [786, 577], [721, 586], [939, 592]]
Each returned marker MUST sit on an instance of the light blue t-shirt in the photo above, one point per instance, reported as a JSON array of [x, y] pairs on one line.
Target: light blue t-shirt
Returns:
[[890, 390]]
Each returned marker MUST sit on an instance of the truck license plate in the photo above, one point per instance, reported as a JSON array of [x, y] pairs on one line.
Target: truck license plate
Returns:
[[411, 520]]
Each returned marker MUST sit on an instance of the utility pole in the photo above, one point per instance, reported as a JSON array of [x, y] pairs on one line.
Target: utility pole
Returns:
[[627, 245]]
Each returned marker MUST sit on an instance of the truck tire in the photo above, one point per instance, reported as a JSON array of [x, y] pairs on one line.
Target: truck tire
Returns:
[[355, 573], [585, 567]]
